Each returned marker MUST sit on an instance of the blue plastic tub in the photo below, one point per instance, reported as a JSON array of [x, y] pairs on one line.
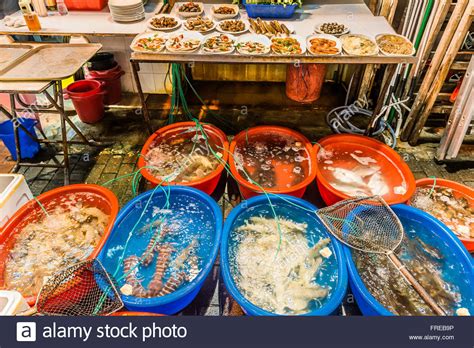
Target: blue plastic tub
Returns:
[[432, 232], [270, 11], [28, 147], [192, 213], [335, 275]]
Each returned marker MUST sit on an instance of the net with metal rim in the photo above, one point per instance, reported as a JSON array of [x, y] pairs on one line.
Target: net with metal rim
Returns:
[[367, 224], [83, 289]]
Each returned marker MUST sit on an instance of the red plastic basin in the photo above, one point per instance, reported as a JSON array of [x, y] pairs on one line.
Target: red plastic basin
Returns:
[[88, 99], [393, 166], [103, 199], [248, 189], [207, 184], [459, 190]]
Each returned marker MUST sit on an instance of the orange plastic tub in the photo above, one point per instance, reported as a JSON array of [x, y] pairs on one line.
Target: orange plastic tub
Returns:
[[85, 5], [207, 184], [460, 190], [102, 198], [281, 170], [393, 167]]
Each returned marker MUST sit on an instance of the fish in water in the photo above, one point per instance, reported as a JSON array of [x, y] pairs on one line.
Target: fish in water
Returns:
[[363, 160], [377, 185], [348, 177]]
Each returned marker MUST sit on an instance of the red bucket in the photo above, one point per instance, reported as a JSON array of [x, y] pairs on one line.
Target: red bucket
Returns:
[[88, 99], [305, 82], [102, 199], [112, 83], [281, 171], [207, 184]]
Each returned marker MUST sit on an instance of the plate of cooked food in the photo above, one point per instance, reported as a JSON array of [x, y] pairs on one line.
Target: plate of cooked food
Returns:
[[253, 45], [224, 11], [164, 23], [199, 24], [331, 28], [233, 26], [219, 43], [190, 9], [323, 45], [359, 45], [395, 45], [184, 42], [149, 42], [270, 28], [293, 45]]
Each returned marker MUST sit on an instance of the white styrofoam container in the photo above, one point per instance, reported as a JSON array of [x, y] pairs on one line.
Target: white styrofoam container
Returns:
[[12, 303], [14, 192]]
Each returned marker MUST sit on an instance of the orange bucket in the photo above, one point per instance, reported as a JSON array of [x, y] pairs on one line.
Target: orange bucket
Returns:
[[393, 167], [207, 184], [103, 199], [459, 190], [281, 170]]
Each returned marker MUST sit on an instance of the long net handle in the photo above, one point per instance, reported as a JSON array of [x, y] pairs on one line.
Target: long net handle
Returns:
[[416, 285], [29, 312]]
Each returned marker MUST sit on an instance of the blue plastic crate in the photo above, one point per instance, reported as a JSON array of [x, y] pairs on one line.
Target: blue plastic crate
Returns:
[[270, 10]]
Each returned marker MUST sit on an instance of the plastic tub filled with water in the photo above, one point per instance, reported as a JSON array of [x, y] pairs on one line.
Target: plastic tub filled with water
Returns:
[[434, 256], [279, 259], [162, 248]]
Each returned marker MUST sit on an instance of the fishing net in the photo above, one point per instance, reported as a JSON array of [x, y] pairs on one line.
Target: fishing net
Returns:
[[83, 289]]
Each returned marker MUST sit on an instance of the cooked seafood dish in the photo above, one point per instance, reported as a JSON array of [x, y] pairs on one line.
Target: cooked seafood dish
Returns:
[[252, 47], [183, 157], [152, 43], [323, 46], [270, 28], [183, 43], [359, 45], [276, 268], [395, 44], [221, 43], [52, 242], [332, 28], [232, 26], [199, 24], [225, 10], [164, 22], [443, 203], [190, 7], [286, 46]]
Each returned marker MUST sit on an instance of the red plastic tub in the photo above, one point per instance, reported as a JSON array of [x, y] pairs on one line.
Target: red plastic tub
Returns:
[[85, 5], [102, 198], [304, 82], [393, 166], [459, 191], [111, 83], [248, 189], [207, 184], [88, 99]]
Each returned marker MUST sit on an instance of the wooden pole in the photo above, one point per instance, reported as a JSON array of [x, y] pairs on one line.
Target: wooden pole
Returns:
[[435, 65], [449, 57]]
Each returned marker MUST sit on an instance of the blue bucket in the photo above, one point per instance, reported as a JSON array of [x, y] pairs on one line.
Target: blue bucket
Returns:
[[432, 232], [270, 10], [336, 273], [28, 147], [194, 213]]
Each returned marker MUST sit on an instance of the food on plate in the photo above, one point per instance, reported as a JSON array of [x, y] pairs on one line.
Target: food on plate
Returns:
[[332, 28], [183, 43], [152, 43], [190, 7], [201, 24], [232, 25], [286, 45], [219, 43], [359, 45], [395, 44], [252, 47], [319, 45], [268, 28], [163, 22], [224, 10]]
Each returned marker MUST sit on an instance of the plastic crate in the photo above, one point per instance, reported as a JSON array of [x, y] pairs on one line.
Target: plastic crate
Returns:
[[14, 192], [86, 5], [270, 11]]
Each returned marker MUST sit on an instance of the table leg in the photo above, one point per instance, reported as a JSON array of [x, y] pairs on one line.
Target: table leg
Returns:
[[146, 114], [16, 133], [62, 115]]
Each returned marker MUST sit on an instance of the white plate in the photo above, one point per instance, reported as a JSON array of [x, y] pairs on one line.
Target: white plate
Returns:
[[317, 29], [300, 39], [219, 52], [224, 16], [246, 24], [189, 14], [202, 32], [392, 54], [187, 35], [164, 29], [290, 27], [254, 38], [359, 55], [125, 3], [324, 36], [146, 35]]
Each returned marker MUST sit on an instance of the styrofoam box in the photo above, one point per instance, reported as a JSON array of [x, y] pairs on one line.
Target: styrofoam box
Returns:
[[14, 192], [12, 303]]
